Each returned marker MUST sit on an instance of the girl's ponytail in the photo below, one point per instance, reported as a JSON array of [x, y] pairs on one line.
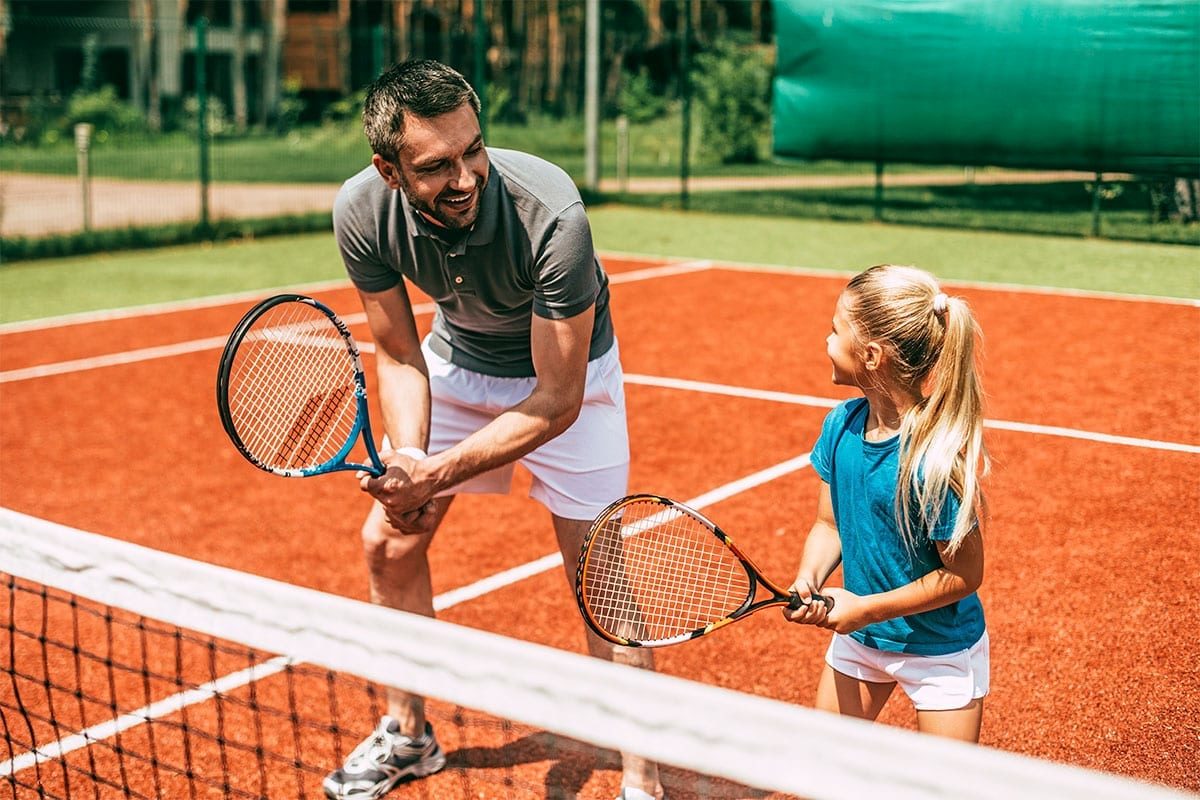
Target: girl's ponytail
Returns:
[[930, 340], [942, 437]]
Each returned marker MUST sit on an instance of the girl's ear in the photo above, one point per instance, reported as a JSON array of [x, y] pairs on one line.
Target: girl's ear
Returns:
[[872, 356]]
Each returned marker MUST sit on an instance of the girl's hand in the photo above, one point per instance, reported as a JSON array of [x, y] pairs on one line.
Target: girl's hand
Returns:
[[850, 612], [810, 612]]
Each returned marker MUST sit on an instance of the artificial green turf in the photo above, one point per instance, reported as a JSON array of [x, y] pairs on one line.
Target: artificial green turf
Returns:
[[50, 287]]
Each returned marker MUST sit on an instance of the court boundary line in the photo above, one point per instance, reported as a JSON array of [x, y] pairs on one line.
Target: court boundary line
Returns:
[[212, 301], [1053, 291], [216, 343], [670, 267]]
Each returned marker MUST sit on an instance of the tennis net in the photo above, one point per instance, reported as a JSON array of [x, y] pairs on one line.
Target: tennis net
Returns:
[[134, 673]]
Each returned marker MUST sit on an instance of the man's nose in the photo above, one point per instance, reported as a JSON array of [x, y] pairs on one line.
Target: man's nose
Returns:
[[464, 179]]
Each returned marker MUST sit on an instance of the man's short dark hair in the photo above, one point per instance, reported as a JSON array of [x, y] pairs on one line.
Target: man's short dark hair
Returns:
[[423, 87]]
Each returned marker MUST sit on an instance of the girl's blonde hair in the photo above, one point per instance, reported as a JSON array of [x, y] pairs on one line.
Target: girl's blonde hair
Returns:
[[930, 343]]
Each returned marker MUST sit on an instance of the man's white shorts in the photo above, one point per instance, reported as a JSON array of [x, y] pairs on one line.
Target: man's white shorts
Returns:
[[933, 683], [576, 474]]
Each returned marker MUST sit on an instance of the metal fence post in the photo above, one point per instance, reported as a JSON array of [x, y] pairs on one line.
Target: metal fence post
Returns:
[[202, 113], [685, 91], [83, 158]]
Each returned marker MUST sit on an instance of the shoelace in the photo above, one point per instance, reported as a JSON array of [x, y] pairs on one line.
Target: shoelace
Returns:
[[370, 753]]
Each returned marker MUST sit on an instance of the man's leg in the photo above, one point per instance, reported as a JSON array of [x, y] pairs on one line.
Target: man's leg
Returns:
[[398, 566], [402, 744], [637, 772]]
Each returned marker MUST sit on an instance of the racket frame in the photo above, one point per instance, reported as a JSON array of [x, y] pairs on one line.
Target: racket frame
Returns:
[[779, 597], [362, 420]]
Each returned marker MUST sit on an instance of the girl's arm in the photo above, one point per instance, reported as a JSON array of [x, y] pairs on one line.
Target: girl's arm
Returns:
[[961, 574], [822, 554]]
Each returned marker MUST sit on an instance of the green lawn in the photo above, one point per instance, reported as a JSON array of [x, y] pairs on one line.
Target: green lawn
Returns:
[[33, 289], [331, 153]]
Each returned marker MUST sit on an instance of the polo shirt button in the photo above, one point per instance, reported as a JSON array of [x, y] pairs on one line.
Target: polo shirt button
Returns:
[[458, 279]]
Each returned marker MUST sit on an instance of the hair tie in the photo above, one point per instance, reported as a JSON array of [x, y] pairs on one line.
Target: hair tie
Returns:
[[939, 303]]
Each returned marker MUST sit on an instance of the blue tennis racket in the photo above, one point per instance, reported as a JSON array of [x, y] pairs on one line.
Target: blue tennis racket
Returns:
[[291, 390]]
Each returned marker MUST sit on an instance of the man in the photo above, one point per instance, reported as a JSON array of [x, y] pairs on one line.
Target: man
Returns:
[[521, 363]]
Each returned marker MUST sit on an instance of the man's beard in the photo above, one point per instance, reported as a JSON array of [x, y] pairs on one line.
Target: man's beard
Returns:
[[451, 223]]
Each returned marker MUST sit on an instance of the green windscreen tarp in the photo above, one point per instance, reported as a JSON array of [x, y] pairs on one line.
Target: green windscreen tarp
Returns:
[[1098, 85]]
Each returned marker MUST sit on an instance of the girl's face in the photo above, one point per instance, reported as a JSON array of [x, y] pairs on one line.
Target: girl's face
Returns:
[[842, 347]]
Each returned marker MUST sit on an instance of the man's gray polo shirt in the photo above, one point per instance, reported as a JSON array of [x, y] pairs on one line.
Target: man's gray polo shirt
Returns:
[[529, 252]]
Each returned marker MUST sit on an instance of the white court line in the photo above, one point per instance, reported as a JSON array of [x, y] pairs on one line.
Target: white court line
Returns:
[[1015, 288], [159, 708], [253, 295], [175, 703], [549, 562], [823, 402], [167, 351], [151, 353], [216, 343], [168, 307]]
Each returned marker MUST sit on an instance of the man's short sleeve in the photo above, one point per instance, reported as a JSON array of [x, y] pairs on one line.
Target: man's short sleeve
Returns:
[[566, 283], [358, 242]]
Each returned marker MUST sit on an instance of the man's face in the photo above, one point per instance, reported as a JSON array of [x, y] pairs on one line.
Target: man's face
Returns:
[[442, 167]]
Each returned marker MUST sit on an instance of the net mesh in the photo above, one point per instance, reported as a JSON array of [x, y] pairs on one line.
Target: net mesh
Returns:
[[655, 573], [128, 672], [291, 388]]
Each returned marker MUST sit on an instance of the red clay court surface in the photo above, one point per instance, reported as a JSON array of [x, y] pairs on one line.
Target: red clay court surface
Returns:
[[1092, 577]]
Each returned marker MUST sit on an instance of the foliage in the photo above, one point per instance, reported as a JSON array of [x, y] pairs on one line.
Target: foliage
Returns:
[[639, 101], [216, 121], [291, 106], [49, 119], [732, 84], [104, 110], [345, 109]]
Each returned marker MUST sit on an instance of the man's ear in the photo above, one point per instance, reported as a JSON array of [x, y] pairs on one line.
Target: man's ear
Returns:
[[388, 171], [873, 356]]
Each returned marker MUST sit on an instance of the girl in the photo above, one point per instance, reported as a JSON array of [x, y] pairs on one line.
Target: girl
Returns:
[[900, 507]]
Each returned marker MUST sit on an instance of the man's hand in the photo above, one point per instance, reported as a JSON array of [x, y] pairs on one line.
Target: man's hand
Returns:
[[406, 497]]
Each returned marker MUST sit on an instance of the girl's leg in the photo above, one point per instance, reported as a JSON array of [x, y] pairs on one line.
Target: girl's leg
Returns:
[[842, 694], [959, 723]]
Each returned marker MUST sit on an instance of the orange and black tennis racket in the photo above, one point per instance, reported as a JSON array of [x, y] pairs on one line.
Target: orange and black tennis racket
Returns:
[[654, 572]]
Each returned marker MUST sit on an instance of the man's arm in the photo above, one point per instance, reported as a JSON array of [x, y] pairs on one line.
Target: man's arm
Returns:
[[560, 356], [399, 366]]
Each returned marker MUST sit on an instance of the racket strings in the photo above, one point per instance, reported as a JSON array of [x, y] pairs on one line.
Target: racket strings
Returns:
[[655, 572], [292, 388]]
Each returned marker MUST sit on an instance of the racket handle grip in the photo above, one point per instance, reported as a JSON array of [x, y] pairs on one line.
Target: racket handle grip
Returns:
[[795, 601]]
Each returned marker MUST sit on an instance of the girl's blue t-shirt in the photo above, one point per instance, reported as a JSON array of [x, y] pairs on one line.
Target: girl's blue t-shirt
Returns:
[[862, 478]]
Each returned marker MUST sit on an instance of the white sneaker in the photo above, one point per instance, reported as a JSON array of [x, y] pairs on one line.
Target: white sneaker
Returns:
[[382, 760]]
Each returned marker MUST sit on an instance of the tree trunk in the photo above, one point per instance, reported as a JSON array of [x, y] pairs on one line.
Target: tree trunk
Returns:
[[143, 23], [238, 21], [533, 65], [401, 30], [556, 57], [654, 23], [276, 17], [343, 45]]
